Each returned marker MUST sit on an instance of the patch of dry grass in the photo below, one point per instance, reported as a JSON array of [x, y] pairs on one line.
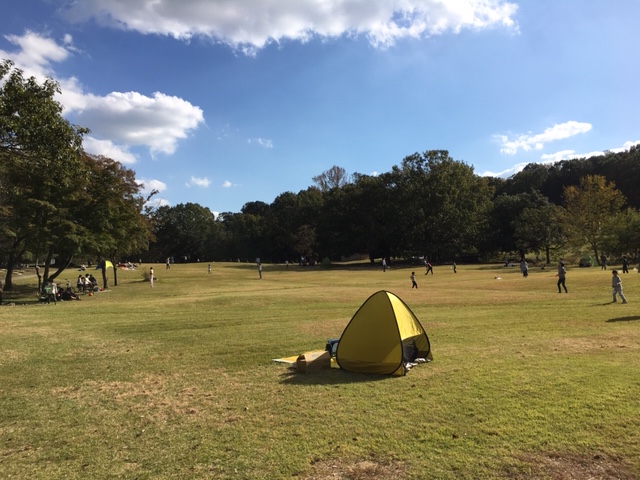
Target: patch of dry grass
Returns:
[[571, 466]]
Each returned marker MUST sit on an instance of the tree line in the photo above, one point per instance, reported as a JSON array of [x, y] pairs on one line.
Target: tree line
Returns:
[[429, 206], [59, 203]]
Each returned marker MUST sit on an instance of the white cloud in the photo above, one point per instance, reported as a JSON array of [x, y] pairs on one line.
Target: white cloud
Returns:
[[571, 154], [505, 173], [156, 202], [263, 142], [228, 184], [551, 158], [628, 145], [248, 25], [224, 132], [557, 156], [123, 119], [108, 149], [35, 53], [157, 122], [527, 142], [198, 182], [149, 185]]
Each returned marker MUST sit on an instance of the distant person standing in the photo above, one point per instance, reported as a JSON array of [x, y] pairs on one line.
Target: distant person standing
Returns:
[[414, 284], [603, 262], [151, 276], [384, 264], [524, 268], [168, 262], [209, 269], [625, 264], [454, 267], [51, 291], [616, 285], [429, 268], [260, 270], [562, 274]]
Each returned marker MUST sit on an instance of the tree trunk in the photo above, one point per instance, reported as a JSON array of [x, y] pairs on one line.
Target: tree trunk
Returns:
[[39, 276], [47, 263], [102, 262], [14, 253], [8, 279], [62, 267], [115, 273]]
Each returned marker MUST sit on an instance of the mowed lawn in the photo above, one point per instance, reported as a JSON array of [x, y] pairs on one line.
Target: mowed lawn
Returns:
[[177, 381]]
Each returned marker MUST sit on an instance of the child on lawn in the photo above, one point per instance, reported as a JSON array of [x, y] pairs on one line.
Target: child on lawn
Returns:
[[616, 284]]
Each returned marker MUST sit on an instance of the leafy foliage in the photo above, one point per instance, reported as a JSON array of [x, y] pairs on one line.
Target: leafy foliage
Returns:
[[591, 211], [55, 201], [41, 171]]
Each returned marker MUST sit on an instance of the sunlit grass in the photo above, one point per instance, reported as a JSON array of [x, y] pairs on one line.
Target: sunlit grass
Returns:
[[177, 381]]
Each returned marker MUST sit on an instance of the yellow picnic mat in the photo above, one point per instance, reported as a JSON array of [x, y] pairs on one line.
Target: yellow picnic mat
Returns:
[[314, 353]]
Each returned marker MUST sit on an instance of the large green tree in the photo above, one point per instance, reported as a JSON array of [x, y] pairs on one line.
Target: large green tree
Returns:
[[537, 229], [337, 222], [183, 232], [591, 211], [244, 233], [624, 239], [290, 225], [111, 211], [335, 177], [41, 172], [445, 202], [384, 221]]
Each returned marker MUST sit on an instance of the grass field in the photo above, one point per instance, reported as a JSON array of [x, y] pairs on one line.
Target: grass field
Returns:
[[178, 382]]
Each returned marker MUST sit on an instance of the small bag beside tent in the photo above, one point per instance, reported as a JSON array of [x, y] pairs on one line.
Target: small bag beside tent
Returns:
[[382, 337]]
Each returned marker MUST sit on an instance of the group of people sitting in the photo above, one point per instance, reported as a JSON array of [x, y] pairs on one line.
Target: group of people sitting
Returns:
[[52, 292], [87, 283]]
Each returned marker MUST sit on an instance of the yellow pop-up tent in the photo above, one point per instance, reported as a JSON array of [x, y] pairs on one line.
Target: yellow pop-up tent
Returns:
[[382, 337]]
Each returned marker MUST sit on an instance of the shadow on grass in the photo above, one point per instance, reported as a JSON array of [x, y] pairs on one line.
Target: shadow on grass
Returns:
[[330, 376], [630, 318], [21, 295], [603, 304]]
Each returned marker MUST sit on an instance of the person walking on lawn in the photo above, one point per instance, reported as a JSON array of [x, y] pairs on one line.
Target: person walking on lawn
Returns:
[[616, 284], [562, 273]]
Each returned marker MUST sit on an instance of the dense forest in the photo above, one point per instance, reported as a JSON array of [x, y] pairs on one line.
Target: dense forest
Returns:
[[59, 205], [430, 205]]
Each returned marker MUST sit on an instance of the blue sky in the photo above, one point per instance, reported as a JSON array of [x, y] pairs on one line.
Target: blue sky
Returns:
[[223, 102]]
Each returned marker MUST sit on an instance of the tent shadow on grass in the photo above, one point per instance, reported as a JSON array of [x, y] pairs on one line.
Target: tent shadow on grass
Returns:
[[630, 318], [329, 376]]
